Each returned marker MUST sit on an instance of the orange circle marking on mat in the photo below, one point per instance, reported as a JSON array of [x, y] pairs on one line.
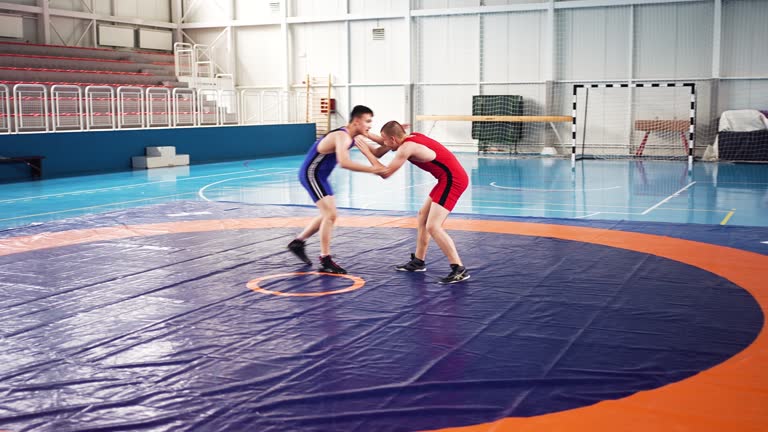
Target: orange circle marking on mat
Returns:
[[731, 396], [357, 284]]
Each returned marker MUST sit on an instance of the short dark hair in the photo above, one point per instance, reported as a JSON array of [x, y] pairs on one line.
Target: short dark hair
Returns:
[[358, 111], [393, 128]]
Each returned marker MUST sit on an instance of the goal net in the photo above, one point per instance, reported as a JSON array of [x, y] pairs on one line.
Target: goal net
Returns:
[[634, 120]]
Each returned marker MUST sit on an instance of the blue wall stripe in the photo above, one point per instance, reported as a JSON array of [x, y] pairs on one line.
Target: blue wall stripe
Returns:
[[70, 153]]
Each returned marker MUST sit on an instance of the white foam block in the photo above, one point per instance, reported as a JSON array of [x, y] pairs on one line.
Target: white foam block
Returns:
[[181, 159], [170, 173], [167, 151], [151, 161]]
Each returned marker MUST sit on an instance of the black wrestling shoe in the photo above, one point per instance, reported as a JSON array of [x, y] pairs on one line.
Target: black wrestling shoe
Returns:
[[328, 266], [414, 265], [297, 247], [458, 274]]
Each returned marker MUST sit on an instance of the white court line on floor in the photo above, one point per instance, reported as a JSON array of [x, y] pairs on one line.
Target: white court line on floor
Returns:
[[201, 191], [257, 187], [493, 184], [587, 216], [128, 186], [96, 206], [188, 214], [650, 209]]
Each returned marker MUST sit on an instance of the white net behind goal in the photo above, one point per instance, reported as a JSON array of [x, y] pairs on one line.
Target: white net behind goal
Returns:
[[643, 120]]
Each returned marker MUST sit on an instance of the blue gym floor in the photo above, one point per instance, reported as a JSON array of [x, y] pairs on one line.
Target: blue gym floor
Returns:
[[661, 191]]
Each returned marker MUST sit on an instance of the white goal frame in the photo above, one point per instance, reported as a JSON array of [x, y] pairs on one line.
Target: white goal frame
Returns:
[[692, 118]]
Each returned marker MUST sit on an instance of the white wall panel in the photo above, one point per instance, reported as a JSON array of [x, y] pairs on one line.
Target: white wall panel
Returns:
[[117, 36], [319, 49], [255, 9], [207, 10], [745, 38], [593, 44], [157, 10], [511, 2], [368, 7], [379, 60], [442, 4], [317, 7], [387, 103], [673, 40], [103, 7], [448, 49], [743, 94], [155, 39], [514, 47], [11, 26], [262, 66]]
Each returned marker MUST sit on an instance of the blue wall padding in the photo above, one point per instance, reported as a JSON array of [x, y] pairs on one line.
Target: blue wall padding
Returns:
[[81, 152]]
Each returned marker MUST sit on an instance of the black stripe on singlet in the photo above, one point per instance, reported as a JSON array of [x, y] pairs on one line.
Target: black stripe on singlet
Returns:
[[448, 186]]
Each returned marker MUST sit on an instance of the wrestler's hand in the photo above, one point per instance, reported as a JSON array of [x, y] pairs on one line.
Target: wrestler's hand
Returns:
[[360, 143]]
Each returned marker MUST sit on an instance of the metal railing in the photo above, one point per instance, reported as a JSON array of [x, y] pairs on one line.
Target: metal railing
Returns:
[[184, 59], [5, 109], [184, 107], [100, 107], [270, 106], [35, 108], [228, 107], [66, 108], [130, 107], [207, 106], [30, 102], [159, 107]]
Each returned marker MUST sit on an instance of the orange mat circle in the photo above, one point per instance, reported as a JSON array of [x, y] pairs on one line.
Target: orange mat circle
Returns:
[[356, 285]]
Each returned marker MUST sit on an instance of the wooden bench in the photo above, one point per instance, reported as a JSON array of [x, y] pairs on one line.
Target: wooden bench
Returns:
[[35, 163]]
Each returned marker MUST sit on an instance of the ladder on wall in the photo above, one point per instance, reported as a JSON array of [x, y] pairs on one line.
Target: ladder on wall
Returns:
[[320, 105]]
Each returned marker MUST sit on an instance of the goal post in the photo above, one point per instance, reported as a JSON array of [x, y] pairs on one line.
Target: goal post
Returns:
[[649, 120]]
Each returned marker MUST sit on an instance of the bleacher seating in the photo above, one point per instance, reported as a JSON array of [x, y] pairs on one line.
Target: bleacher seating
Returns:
[[52, 88], [83, 52], [33, 99], [36, 63]]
